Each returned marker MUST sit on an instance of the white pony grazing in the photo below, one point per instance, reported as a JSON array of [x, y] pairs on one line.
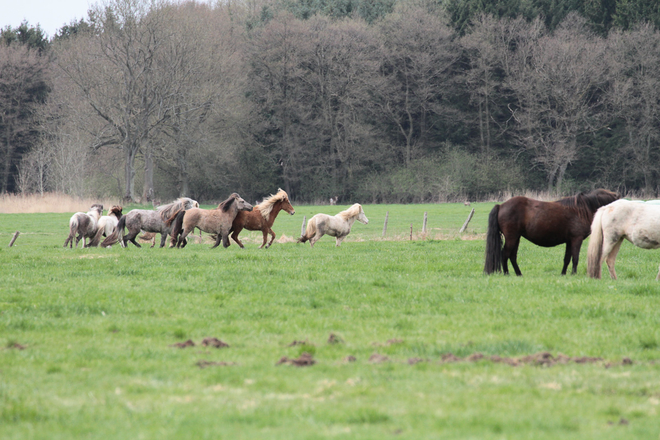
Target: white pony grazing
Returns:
[[106, 225], [84, 225], [639, 223], [338, 226]]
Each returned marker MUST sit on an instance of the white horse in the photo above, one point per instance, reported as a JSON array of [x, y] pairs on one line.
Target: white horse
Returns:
[[84, 225], [338, 226], [106, 225], [639, 223]]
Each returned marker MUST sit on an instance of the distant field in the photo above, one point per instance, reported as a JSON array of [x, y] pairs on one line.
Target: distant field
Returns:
[[87, 335]]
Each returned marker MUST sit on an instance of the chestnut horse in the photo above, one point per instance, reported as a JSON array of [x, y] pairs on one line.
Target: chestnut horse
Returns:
[[262, 217], [213, 221], [546, 224]]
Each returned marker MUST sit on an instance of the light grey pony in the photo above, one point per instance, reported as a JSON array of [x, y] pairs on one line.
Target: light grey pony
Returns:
[[84, 225], [338, 226]]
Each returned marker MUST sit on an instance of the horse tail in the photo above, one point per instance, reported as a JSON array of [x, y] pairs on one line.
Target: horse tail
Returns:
[[177, 227], [310, 231], [493, 243], [73, 229], [595, 249], [97, 237], [117, 234]]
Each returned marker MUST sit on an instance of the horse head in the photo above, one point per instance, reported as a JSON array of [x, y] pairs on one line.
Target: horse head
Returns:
[[286, 204], [362, 218], [96, 209], [241, 205]]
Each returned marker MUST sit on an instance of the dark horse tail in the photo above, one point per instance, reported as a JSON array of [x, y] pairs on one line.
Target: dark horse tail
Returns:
[[116, 235], [493, 243], [177, 227]]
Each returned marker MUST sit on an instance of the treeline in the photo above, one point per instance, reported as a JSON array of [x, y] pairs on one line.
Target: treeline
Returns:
[[376, 101]]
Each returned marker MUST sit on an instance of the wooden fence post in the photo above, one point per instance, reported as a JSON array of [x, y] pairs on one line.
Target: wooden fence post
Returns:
[[302, 230], [426, 216], [467, 221], [13, 239], [387, 215], [411, 228]]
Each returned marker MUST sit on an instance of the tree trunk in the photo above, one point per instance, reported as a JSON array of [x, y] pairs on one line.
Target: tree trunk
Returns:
[[129, 174], [148, 187]]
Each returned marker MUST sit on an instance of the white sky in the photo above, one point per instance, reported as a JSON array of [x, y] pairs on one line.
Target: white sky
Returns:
[[49, 14]]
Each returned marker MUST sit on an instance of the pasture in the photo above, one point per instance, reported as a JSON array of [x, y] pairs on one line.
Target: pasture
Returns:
[[87, 335]]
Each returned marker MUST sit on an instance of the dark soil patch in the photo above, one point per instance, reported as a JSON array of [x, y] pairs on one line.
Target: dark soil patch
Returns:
[[188, 343], [305, 360], [416, 360], [214, 342], [205, 364], [17, 346], [334, 339], [294, 343], [378, 358], [544, 359], [350, 358]]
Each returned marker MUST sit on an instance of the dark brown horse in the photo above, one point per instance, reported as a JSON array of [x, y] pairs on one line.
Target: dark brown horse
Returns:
[[213, 221], [262, 217], [546, 224]]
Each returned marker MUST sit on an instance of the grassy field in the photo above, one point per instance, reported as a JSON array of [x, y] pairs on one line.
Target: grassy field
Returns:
[[87, 335]]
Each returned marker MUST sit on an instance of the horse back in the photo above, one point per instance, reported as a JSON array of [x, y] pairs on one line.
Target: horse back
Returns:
[[543, 223]]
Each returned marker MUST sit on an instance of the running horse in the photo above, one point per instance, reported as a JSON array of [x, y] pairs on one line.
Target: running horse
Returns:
[[338, 226], [84, 225], [546, 224], [262, 217]]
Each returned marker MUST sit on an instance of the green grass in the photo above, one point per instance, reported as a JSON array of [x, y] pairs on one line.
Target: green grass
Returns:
[[97, 325]]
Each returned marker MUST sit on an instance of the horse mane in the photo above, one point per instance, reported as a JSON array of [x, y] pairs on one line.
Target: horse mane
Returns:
[[587, 203], [166, 211], [116, 211], [267, 205], [98, 207], [227, 203], [353, 211]]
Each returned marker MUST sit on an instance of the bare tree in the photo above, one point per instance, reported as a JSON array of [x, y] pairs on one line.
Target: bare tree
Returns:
[[117, 70], [23, 86], [635, 98], [419, 55], [559, 81]]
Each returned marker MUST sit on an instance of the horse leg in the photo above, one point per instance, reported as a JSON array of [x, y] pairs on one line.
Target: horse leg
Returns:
[[131, 237], [339, 240], [272, 237], [225, 240], [218, 239], [510, 252], [181, 242], [577, 244], [315, 238], [234, 237], [163, 239], [611, 251]]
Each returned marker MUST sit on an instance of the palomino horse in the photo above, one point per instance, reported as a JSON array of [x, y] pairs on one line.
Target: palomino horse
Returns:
[[213, 221], [106, 225], [338, 226], [262, 217], [83, 224], [151, 221], [639, 223], [545, 224]]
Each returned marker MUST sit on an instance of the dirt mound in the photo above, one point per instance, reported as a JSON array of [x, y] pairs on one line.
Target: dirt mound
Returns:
[[204, 364], [296, 342], [350, 358], [334, 339], [378, 358], [305, 360], [544, 359], [16, 345], [188, 343], [214, 342]]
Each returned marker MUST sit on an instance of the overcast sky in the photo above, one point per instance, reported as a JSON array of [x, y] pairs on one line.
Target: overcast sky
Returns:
[[50, 14]]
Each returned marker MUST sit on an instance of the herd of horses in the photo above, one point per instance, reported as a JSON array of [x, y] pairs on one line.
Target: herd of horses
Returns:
[[600, 213], [179, 218]]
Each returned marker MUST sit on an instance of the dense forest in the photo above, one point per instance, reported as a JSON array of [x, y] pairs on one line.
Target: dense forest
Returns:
[[368, 100]]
